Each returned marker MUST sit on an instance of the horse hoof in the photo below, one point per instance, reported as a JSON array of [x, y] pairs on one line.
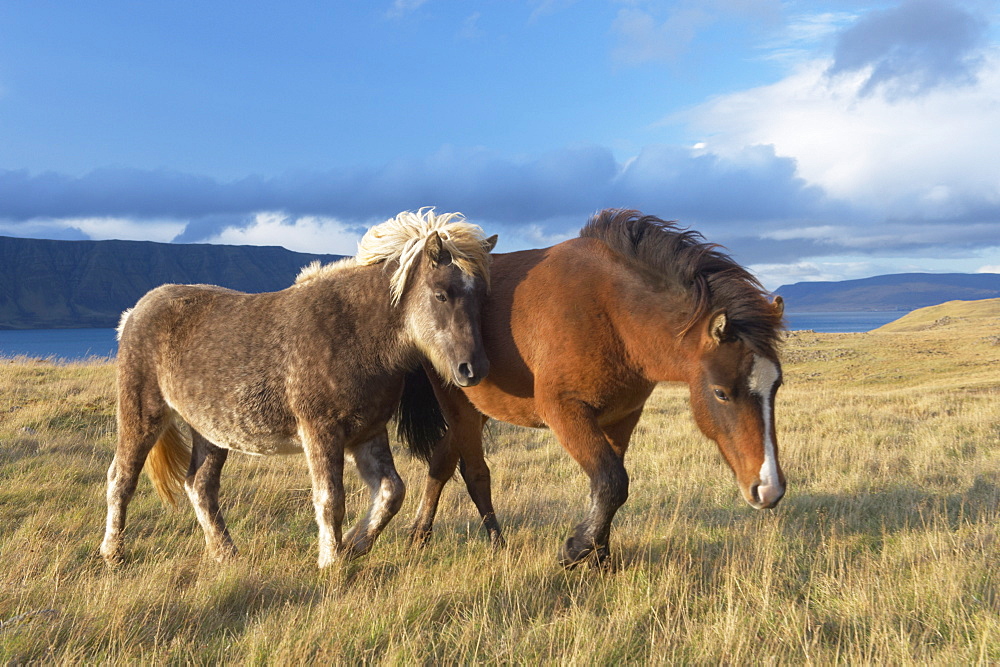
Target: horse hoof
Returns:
[[572, 554], [224, 555], [420, 538], [113, 556], [355, 545]]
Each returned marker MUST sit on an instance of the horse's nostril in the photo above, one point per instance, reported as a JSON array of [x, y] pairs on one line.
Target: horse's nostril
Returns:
[[755, 493], [465, 370]]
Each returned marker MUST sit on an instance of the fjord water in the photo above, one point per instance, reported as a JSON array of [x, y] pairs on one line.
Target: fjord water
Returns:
[[62, 344], [849, 322], [77, 344]]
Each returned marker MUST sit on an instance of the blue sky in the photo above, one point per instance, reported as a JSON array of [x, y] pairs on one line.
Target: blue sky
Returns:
[[817, 141]]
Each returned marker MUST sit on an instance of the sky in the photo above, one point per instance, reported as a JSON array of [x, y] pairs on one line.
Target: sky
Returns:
[[826, 140]]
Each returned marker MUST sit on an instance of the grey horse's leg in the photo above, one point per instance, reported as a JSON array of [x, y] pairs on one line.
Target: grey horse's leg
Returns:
[[325, 456], [202, 487], [139, 427], [376, 467]]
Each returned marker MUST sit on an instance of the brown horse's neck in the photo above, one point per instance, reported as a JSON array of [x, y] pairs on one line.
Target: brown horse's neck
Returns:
[[651, 323]]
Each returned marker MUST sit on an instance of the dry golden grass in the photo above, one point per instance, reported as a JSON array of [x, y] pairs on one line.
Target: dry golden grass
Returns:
[[884, 549]]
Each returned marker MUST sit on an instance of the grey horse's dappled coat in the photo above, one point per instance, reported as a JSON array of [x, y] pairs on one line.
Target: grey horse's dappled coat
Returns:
[[315, 368]]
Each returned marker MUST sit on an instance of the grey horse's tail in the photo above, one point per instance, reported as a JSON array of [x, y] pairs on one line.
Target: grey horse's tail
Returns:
[[167, 463]]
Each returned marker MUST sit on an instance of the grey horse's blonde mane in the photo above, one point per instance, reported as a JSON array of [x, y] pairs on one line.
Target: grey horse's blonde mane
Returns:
[[316, 270], [404, 237]]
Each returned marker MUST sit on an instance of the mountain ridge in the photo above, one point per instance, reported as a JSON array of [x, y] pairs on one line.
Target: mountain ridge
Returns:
[[48, 284], [891, 292]]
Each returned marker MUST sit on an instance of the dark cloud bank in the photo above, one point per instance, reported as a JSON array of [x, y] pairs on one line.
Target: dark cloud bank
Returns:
[[911, 48], [760, 191], [733, 201]]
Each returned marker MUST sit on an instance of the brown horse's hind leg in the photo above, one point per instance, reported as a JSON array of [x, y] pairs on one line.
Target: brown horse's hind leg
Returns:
[[575, 425], [140, 424], [202, 486], [376, 467]]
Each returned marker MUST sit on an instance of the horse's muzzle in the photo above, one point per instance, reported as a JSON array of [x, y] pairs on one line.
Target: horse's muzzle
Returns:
[[468, 374], [764, 496]]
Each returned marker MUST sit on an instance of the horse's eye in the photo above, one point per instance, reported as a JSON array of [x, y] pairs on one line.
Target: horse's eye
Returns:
[[721, 395], [440, 296]]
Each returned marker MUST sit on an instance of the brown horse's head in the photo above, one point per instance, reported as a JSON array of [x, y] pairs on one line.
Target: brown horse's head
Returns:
[[442, 305], [732, 396]]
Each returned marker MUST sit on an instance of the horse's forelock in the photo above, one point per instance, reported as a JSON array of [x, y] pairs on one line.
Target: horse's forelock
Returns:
[[404, 238]]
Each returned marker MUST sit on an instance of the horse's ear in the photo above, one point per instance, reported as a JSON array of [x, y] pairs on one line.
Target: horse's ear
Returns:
[[718, 326], [435, 252], [778, 304], [490, 243]]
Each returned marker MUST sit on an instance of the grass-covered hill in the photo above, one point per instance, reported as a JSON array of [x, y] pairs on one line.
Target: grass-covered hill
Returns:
[[884, 550], [972, 313], [57, 284]]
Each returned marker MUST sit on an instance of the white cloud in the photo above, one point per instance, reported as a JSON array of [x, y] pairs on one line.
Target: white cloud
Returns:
[[773, 276], [470, 29], [127, 229], [995, 268], [647, 32], [803, 34], [99, 228], [930, 156], [304, 234]]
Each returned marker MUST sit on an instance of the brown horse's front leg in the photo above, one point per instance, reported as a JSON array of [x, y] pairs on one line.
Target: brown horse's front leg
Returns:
[[476, 474], [590, 539], [463, 441], [575, 425], [440, 468], [376, 467]]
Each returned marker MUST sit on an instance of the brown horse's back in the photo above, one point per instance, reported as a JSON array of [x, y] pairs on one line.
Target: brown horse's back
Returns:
[[552, 324]]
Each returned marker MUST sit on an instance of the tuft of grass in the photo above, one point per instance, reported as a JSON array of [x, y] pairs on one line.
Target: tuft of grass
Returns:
[[883, 550]]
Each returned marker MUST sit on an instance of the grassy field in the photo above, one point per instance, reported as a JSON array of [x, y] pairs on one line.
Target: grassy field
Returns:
[[885, 548]]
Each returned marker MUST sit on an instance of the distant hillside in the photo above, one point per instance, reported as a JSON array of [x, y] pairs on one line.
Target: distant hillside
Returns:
[[946, 313], [61, 284], [900, 291]]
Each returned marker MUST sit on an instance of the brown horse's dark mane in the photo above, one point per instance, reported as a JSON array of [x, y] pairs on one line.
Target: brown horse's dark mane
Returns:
[[682, 258]]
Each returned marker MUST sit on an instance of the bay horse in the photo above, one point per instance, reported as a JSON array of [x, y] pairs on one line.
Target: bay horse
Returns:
[[578, 336], [316, 368]]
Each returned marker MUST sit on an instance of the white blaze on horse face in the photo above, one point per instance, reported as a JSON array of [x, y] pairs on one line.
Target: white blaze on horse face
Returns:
[[763, 376]]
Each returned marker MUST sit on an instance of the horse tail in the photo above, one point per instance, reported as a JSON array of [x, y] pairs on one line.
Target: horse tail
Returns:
[[167, 463], [420, 423]]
